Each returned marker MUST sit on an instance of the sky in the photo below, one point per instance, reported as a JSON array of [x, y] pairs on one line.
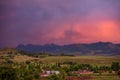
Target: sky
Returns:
[[58, 21]]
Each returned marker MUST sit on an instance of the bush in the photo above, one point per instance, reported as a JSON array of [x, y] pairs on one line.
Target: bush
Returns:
[[28, 77], [36, 76], [8, 73], [118, 73]]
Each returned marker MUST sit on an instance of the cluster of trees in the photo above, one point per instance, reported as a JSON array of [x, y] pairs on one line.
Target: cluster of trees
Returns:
[[8, 73], [71, 55], [115, 66], [31, 70], [43, 54], [20, 71], [37, 55]]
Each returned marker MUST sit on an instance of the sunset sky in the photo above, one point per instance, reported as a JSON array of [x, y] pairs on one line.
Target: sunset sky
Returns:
[[58, 21]]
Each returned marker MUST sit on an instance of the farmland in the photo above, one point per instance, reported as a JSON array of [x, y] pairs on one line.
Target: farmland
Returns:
[[52, 67]]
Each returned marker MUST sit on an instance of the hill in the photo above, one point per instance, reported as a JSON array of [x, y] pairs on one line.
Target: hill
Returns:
[[8, 51], [99, 48], [11, 54]]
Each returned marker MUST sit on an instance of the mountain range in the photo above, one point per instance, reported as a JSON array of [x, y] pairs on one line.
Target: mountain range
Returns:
[[98, 48]]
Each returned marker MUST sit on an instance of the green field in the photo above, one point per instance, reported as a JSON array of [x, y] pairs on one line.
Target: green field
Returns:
[[94, 60]]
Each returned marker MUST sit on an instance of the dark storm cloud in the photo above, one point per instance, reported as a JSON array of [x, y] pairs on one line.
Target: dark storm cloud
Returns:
[[46, 21]]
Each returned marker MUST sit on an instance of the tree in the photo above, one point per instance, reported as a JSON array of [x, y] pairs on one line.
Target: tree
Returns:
[[36, 75], [115, 66], [55, 77], [95, 69], [62, 74], [27, 62], [9, 61]]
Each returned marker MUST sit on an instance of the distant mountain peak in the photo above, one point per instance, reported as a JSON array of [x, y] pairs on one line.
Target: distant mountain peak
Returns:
[[100, 42]]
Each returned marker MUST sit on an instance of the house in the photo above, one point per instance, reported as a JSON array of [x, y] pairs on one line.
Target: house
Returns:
[[46, 73]]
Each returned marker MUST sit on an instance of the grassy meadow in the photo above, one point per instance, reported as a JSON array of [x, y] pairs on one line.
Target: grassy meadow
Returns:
[[94, 60]]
